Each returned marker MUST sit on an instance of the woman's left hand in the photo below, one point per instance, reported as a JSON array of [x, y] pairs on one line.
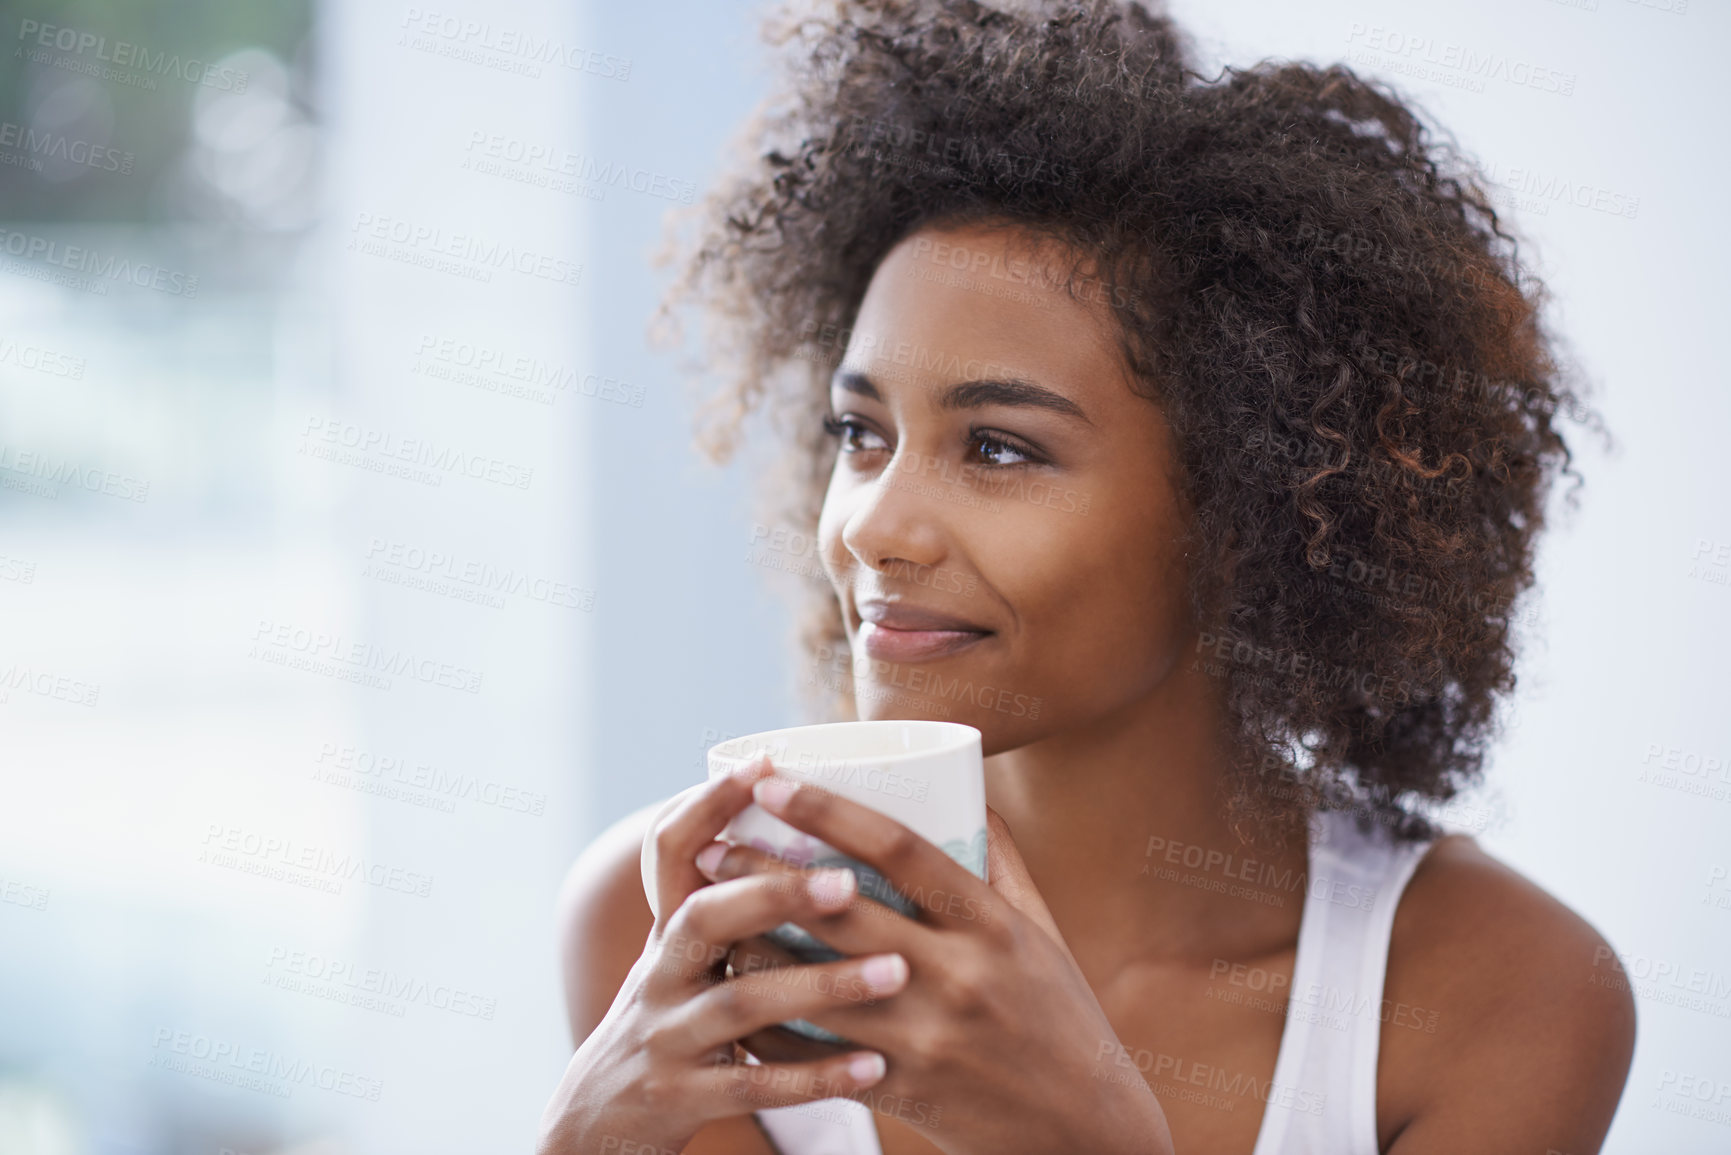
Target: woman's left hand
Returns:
[[994, 1041]]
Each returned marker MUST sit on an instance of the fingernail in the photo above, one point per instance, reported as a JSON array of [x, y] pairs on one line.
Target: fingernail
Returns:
[[884, 973], [710, 857], [751, 769], [866, 1068], [772, 793], [830, 886]]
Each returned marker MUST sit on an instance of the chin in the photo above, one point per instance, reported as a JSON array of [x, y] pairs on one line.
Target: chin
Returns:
[[871, 705], [1000, 728]]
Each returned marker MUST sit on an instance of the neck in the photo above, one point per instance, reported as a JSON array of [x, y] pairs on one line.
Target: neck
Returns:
[[1123, 826]]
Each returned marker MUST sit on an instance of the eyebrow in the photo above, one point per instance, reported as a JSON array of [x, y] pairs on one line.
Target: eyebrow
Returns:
[[975, 394]]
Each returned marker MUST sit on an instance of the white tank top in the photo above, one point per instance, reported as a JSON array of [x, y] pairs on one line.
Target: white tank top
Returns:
[[1322, 1099]]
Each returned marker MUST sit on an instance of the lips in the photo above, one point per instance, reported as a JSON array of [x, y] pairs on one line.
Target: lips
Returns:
[[900, 632]]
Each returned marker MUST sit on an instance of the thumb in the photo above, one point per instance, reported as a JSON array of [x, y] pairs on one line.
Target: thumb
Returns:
[[1008, 875]]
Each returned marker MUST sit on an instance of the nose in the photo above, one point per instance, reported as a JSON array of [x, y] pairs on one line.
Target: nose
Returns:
[[892, 521]]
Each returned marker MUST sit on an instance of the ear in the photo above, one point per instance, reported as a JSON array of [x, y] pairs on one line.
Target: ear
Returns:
[[1009, 876]]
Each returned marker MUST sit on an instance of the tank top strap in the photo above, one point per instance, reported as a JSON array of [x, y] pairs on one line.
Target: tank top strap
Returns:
[[1322, 1099]]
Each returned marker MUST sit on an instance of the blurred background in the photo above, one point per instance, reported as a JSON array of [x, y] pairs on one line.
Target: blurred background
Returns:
[[356, 568]]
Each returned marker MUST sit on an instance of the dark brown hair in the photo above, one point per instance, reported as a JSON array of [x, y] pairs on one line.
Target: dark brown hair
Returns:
[[1317, 293]]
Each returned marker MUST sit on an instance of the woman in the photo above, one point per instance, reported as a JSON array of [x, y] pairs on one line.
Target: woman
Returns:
[[1190, 438]]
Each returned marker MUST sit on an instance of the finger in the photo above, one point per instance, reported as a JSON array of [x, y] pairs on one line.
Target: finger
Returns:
[[737, 1007], [648, 858], [777, 1044], [691, 946], [691, 821], [736, 1087], [759, 953], [946, 893], [1009, 877], [866, 925]]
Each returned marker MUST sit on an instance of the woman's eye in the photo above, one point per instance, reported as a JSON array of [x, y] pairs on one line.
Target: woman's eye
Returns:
[[988, 449], [855, 438]]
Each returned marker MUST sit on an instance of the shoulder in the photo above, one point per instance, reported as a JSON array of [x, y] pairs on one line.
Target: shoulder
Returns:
[[1518, 1026], [603, 918]]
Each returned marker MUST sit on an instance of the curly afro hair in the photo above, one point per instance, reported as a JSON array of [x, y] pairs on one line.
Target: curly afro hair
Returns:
[[1317, 293]]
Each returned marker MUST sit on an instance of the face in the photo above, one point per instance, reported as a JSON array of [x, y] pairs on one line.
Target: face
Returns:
[[1002, 526]]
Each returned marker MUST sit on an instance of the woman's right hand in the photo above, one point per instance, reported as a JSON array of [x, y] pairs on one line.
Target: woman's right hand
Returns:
[[663, 1061]]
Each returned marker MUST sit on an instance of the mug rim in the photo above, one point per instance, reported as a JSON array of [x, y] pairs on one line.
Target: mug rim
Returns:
[[959, 736]]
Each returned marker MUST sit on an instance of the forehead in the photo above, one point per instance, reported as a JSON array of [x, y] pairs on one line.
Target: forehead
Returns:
[[982, 301]]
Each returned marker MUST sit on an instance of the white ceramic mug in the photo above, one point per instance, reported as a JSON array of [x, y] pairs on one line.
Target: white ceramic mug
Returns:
[[929, 776]]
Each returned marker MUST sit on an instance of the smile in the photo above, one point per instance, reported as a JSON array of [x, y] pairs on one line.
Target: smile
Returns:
[[894, 645]]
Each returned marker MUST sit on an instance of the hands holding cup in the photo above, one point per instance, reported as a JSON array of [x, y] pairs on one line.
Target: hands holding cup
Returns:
[[967, 1012], [663, 1061], [992, 1036]]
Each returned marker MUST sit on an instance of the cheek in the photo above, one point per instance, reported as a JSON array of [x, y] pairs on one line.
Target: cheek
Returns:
[[1101, 600]]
